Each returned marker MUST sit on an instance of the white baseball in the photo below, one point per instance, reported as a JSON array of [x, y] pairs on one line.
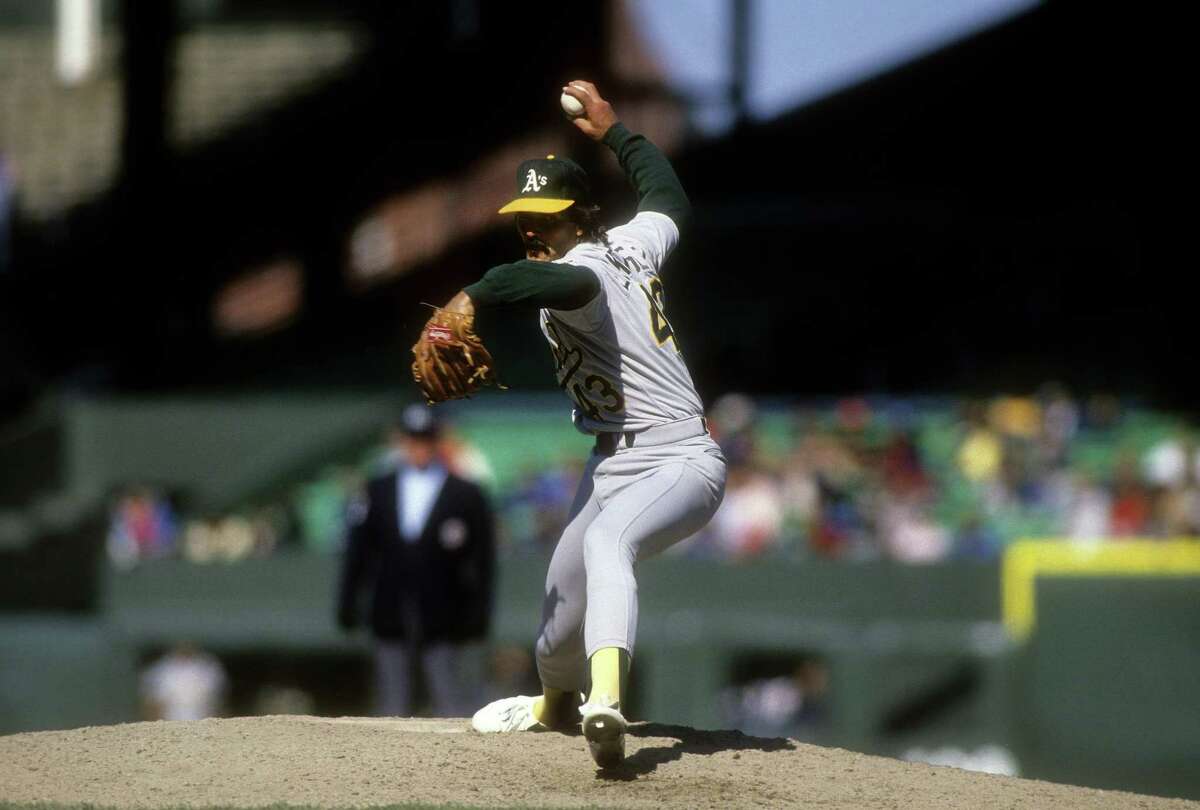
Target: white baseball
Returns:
[[571, 105]]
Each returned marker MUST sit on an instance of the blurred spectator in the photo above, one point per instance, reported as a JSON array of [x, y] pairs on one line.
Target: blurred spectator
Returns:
[[1060, 424], [1131, 501], [976, 540], [185, 684], [1016, 417], [854, 415], [981, 453], [1178, 509], [906, 532], [836, 464], [749, 521], [227, 539], [1089, 511], [903, 471], [1170, 462], [732, 423], [422, 543], [142, 525], [1173, 465], [842, 528], [800, 492]]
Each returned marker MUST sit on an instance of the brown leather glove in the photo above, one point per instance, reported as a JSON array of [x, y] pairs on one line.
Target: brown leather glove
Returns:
[[449, 359]]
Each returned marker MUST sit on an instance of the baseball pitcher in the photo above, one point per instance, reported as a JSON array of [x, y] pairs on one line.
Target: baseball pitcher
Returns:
[[655, 476]]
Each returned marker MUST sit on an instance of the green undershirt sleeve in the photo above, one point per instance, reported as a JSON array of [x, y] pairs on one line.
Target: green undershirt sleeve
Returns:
[[541, 284], [658, 187]]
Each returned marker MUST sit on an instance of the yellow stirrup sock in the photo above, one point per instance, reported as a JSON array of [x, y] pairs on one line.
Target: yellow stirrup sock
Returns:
[[549, 708], [610, 676]]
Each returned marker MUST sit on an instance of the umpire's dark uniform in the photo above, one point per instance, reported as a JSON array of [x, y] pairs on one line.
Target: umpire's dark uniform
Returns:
[[430, 591]]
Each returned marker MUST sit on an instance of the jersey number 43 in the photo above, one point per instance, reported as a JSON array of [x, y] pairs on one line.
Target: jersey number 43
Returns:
[[594, 394]]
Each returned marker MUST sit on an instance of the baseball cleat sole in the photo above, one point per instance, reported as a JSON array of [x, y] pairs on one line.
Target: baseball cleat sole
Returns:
[[604, 730]]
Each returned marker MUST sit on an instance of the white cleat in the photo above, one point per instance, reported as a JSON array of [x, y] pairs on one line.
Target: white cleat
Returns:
[[507, 714], [604, 729]]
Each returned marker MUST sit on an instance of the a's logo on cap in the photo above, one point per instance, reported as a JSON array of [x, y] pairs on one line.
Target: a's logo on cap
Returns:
[[534, 181]]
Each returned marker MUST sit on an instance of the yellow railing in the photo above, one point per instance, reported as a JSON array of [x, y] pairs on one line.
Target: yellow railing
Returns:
[[1026, 560]]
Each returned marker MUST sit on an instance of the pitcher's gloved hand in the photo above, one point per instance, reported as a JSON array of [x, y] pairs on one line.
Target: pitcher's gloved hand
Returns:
[[449, 359]]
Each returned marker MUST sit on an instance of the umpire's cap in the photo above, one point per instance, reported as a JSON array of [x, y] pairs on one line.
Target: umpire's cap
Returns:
[[419, 422], [549, 185]]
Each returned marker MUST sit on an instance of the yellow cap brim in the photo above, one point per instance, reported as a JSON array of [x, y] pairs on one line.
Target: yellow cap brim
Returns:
[[536, 205]]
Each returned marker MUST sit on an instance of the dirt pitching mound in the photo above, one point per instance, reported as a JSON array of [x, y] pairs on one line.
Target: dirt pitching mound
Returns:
[[250, 762]]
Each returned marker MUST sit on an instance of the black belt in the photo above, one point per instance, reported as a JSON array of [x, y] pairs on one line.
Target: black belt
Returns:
[[609, 443]]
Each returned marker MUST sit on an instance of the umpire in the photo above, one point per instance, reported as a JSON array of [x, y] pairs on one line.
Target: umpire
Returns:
[[421, 546]]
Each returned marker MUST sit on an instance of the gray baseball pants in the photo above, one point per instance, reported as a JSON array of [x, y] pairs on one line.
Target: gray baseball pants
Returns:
[[652, 490], [450, 674]]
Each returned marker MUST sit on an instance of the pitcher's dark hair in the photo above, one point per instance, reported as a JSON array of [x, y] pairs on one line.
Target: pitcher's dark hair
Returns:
[[587, 217]]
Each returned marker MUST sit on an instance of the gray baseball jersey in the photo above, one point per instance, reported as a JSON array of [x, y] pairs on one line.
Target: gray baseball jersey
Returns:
[[617, 356]]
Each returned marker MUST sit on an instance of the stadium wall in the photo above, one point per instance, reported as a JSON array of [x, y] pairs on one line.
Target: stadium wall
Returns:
[[1102, 693]]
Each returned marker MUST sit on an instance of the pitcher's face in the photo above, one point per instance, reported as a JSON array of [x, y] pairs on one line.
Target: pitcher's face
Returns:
[[547, 236]]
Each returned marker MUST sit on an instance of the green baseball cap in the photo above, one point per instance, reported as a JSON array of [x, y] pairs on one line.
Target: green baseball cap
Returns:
[[549, 185]]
